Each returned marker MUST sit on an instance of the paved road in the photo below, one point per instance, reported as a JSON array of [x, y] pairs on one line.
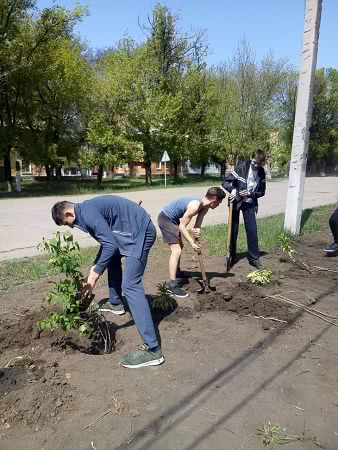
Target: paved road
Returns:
[[23, 222]]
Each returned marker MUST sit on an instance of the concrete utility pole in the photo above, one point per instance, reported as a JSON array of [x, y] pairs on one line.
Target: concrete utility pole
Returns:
[[300, 141]]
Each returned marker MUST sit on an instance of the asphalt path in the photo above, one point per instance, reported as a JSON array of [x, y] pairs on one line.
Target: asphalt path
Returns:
[[23, 222]]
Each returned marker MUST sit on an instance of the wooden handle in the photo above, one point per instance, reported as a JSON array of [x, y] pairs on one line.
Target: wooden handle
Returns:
[[229, 226], [200, 260]]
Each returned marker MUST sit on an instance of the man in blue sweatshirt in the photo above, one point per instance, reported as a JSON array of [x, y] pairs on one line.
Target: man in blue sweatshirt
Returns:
[[123, 229]]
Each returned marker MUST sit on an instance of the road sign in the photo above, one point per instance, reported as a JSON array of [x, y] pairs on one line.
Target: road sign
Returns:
[[165, 157]]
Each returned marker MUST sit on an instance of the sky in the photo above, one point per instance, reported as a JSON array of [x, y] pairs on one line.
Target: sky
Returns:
[[268, 25]]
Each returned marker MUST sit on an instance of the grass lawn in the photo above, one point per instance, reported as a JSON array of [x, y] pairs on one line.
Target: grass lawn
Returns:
[[20, 271], [71, 186], [78, 186], [269, 228]]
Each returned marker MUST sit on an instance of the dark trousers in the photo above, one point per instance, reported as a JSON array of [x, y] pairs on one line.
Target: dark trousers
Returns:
[[130, 282], [249, 211], [334, 225]]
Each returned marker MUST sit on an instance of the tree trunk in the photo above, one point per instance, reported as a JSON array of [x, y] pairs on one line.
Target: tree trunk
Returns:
[[149, 179], [223, 165], [203, 166], [58, 173], [99, 176], [304, 106], [8, 170], [49, 173]]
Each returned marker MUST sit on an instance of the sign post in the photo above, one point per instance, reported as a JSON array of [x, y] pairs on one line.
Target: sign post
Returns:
[[165, 159]]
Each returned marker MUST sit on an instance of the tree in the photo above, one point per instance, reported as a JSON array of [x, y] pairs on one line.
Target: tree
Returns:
[[56, 110], [21, 37], [107, 130], [247, 91], [324, 128]]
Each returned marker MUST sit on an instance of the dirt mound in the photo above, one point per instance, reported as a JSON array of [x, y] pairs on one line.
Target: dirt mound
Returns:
[[244, 299], [34, 392]]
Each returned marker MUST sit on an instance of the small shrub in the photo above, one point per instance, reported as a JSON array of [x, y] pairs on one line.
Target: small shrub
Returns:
[[164, 300], [70, 292], [260, 276], [285, 244]]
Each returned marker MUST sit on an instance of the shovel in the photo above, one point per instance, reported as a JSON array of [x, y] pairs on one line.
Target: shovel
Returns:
[[205, 284], [227, 259]]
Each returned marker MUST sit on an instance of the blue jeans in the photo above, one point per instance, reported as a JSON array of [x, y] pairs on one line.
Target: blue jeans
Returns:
[[130, 282]]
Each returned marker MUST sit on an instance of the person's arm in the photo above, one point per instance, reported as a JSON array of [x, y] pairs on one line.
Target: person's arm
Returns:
[[196, 231], [230, 182], [191, 211]]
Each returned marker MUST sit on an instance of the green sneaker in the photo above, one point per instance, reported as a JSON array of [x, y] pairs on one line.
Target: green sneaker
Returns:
[[109, 307], [144, 358]]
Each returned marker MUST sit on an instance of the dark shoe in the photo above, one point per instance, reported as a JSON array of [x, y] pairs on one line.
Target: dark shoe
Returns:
[[256, 263], [175, 290], [144, 358], [331, 249], [110, 307]]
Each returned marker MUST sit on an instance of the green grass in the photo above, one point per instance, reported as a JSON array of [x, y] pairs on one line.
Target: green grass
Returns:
[[25, 270], [84, 186], [269, 228]]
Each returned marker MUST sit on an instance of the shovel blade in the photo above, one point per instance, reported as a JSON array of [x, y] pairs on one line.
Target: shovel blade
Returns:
[[227, 263]]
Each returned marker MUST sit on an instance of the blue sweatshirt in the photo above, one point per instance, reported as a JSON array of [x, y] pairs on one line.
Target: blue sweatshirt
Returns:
[[116, 223]]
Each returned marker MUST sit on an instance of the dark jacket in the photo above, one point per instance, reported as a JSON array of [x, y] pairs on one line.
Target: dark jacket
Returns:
[[237, 179], [118, 224]]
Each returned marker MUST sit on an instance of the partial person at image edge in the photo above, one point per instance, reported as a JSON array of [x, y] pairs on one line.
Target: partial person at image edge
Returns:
[[332, 249]]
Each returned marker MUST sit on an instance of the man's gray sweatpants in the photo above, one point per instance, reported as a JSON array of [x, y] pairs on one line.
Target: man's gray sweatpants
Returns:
[[130, 282]]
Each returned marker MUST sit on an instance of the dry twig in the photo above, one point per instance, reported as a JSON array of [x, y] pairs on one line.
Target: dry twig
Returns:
[[266, 318], [325, 269]]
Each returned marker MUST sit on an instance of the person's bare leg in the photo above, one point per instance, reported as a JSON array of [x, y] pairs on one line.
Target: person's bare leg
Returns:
[[179, 259], [174, 260]]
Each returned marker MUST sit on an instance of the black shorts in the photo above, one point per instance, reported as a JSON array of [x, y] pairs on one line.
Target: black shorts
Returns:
[[170, 231]]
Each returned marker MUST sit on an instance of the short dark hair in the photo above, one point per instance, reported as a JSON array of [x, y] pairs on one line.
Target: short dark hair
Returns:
[[260, 156], [58, 211], [215, 192]]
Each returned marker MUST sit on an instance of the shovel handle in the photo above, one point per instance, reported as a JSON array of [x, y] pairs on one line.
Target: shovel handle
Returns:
[[201, 263], [229, 226]]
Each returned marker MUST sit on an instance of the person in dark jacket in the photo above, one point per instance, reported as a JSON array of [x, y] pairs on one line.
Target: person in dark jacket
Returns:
[[245, 185], [332, 249], [124, 229]]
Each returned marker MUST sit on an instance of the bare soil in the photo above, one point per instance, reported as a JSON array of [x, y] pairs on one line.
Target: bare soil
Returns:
[[235, 358]]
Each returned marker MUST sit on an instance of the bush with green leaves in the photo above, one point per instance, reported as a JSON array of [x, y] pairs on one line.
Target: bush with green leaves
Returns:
[[163, 300], [70, 292], [260, 276]]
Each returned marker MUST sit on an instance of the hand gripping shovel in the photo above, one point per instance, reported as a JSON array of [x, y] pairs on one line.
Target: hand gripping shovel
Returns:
[[227, 259], [205, 284]]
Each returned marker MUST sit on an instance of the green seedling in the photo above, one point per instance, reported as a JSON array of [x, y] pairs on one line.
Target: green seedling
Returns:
[[163, 300], [260, 276], [70, 292], [272, 433], [285, 244]]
